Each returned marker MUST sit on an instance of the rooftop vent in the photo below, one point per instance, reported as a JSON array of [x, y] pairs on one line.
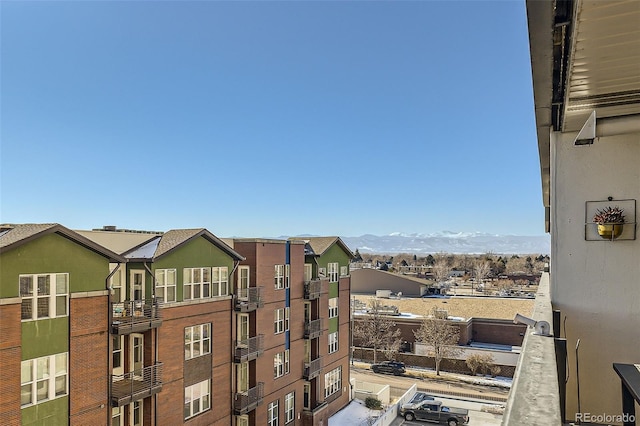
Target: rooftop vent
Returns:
[[111, 228]]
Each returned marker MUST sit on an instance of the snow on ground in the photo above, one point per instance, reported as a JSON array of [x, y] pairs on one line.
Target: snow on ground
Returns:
[[354, 414]]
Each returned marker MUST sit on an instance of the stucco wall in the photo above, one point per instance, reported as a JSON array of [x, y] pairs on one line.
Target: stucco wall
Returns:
[[367, 281], [596, 284]]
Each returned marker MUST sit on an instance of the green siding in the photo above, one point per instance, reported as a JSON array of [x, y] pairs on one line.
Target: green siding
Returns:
[[333, 325], [334, 254], [333, 290], [53, 253], [197, 253], [55, 412], [45, 337]]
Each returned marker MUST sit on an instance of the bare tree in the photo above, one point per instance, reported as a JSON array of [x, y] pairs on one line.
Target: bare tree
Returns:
[[481, 270], [441, 269], [378, 331], [440, 336]]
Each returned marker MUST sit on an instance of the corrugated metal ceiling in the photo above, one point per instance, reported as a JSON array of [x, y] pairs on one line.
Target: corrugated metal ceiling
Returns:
[[604, 69]]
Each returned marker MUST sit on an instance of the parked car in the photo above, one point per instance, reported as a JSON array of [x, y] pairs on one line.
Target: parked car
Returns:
[[390, 367], [435, 412]]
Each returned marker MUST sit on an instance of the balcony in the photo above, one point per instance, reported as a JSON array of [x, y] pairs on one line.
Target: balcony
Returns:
[[535, 394], [312, 369], [313, 329], [248, 299], [245, 402], [248, 349], [312, 289], [135, 316], [136, 385]]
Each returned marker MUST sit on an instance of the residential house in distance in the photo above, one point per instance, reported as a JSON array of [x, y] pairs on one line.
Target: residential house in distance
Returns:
[[585, 60], [54, 331]]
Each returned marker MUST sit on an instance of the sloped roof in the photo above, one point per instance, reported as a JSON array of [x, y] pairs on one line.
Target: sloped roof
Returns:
[[319, 245], [16, 235], [119, 242], [175, 238]]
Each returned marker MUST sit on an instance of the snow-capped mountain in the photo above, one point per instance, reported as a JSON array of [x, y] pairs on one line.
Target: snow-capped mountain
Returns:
[[449, 242]]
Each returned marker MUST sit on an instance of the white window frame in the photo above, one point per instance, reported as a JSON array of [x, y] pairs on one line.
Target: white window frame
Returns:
[[333, 307], [308, 272], [281, 364], [286, 318], [197, 340], [163, 285], [197, 399], [287, 275], [332, 271], [219, 281], [278, 277], [333, 342], [53, 298], [332, 381], [272, 413], [289, 407], [279, 321], [43, 374], [344, 271], [244, 280], [196, 286]]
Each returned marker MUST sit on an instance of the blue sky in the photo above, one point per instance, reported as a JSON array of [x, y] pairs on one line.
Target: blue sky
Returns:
[[269, 118]]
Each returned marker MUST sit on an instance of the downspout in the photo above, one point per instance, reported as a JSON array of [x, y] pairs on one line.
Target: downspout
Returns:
[[109, 349], [153, 303], [234, 332]]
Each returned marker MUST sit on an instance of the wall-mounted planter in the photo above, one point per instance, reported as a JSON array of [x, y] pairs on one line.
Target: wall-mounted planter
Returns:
[[610, 220]]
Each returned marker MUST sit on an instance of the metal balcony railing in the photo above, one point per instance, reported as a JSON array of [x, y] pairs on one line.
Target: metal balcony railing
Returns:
[[134, 316], [313, 329], [245, 402], [312, 289], [312, 369], [135, 385], [248, 349], [248, 299]]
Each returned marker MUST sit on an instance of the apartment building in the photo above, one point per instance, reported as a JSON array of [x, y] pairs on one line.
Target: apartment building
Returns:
[[54, 331], [292, 346], [170, 328]]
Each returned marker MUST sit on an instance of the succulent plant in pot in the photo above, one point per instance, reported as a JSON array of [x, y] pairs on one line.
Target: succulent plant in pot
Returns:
[[610, 222]]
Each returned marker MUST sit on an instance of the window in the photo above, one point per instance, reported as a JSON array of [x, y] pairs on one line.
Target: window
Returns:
[[279, 277], [344, 271], [197, 341], [116, 282], [196, 283], [44, 296], [272, 414], [286, 318], [333, 307], [117, 416], [281, 364], [242, 420], [220, 281], [43, 379], [322, 272], [243, 282], [287, 275], [166, 284], [308, 272], [332, 381], [278, 326], [333, 342], [289, 407], [332, 269], [196, 399]]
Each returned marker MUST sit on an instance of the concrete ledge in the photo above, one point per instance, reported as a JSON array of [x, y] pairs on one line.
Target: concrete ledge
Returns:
[[10, 301], [535, 398], [96, 293]]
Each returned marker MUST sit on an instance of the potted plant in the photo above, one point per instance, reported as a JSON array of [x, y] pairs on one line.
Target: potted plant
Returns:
[[610, 222]]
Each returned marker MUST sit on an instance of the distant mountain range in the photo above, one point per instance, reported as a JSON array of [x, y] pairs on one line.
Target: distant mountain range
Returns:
[[447, 242]]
